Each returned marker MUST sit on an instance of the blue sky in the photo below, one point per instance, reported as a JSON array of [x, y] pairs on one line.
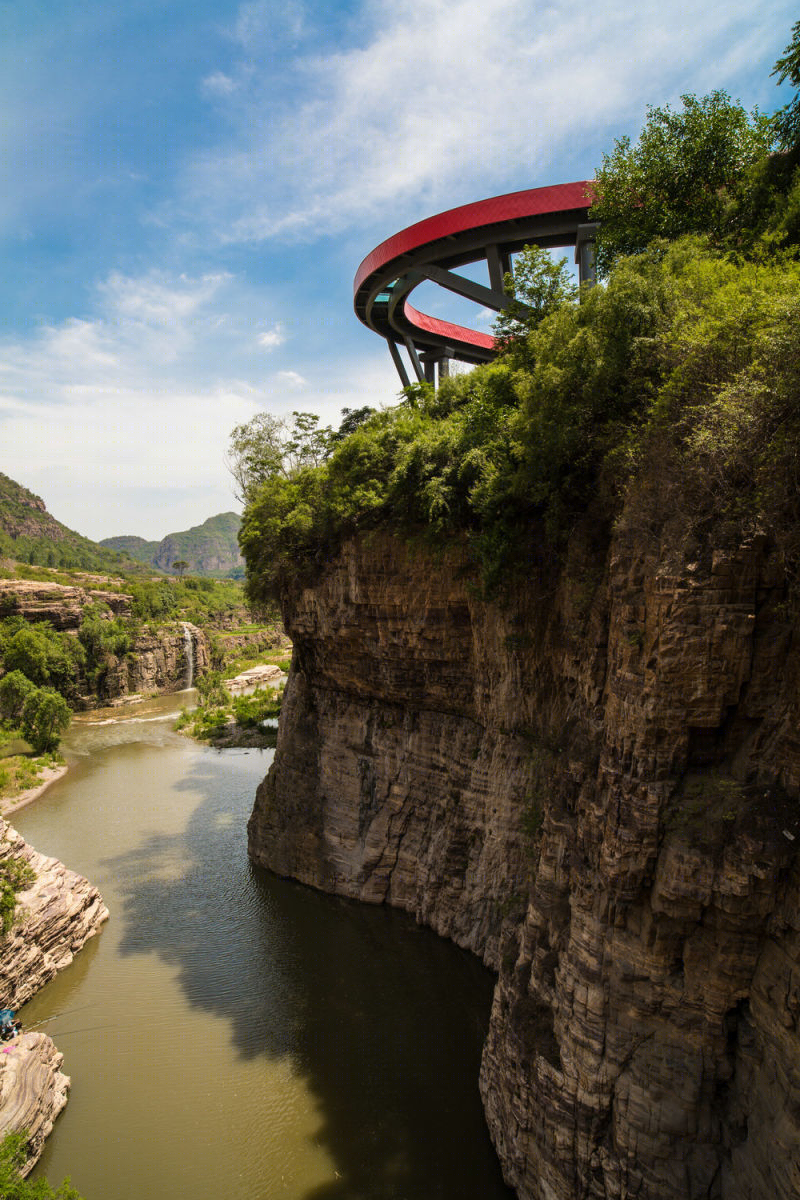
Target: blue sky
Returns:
[[188, 188]]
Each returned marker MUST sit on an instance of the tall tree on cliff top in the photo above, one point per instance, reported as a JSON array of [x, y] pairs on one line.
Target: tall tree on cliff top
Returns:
[[710, 168], [787, 119], [685, 175], [265, 447]]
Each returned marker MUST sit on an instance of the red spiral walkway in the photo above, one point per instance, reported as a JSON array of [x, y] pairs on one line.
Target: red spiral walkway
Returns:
[[491, 230]]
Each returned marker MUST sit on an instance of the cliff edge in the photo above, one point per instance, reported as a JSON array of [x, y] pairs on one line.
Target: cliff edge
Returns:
[[594, 787]]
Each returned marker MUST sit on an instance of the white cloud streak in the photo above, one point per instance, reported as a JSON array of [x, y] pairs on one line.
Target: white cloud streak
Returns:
[[137, 401], [455, 98]]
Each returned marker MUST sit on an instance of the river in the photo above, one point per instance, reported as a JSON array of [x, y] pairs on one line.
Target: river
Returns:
[[233, 1035]]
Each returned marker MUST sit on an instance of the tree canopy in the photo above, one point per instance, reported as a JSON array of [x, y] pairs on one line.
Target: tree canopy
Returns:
[[538, 285], [14, 1187], [787, 119], [688, 172]]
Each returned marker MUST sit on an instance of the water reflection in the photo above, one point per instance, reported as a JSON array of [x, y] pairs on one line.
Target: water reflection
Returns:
[[349, 1068]]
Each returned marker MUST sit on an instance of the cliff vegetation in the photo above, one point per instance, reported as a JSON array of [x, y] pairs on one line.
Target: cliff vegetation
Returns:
[[684, 359]]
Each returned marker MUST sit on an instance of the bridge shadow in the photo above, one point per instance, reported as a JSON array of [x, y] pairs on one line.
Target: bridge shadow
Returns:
[[384, 1020]]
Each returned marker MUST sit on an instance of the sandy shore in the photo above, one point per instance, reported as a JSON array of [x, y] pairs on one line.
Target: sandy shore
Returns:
[[49, 775]]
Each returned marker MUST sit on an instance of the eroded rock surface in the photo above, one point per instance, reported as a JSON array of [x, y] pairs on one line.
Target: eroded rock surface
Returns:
[[33, 1090], [60, 604], [595, 788], [56, 916]]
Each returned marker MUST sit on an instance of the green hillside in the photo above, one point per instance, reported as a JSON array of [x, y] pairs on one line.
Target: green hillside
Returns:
[[134, 547], [210, 549], [28, 533]]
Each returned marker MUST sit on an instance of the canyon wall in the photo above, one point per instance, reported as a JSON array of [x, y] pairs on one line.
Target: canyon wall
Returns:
[[55, 917], [594, 787], [157, 661]]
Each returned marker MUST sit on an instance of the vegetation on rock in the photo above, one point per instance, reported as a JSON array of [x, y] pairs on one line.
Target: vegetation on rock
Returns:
[[15, 876], [235, 718], [685, 359], [13, 1155]]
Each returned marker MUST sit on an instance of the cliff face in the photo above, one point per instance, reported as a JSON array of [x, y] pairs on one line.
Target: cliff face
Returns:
[[158, 661], [33, 1091], [56, 916], [595, 788], [57, 603]]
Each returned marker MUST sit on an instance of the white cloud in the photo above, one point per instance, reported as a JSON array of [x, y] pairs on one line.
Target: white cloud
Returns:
[[121, 420], [272, 337], [260, 20], [219, 84], [449, 100], [291, 379]]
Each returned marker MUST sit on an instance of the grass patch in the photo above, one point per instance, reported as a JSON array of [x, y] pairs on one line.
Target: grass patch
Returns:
[[19, 772]]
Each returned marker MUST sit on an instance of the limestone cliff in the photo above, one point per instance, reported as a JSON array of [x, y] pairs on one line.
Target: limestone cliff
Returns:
[[33, 1090], [594, 787], [157, 661], [56, 916]]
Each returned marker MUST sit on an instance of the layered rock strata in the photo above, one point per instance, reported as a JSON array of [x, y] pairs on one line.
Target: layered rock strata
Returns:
[[33, 1090], [595, 788], [60, 604], [55, 917], [158, 663]]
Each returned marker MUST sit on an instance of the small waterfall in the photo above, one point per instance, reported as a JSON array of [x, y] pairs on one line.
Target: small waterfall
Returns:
[[188, 650]]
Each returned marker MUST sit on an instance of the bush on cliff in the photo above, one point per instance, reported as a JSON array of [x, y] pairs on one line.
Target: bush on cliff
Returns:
[[15, 877], [13, 1155], [703, 169], [677, 348]]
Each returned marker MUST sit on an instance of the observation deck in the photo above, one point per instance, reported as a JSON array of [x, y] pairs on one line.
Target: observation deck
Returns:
[[429, 251]]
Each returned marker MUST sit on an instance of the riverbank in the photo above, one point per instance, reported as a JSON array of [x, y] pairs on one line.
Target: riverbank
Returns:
[[46, 776]]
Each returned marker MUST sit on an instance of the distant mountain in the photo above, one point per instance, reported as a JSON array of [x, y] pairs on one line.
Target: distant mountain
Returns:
[[209, 549], [28, 533], [136, 547]]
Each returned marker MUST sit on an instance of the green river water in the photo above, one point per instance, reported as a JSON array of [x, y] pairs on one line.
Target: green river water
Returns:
[[233, 1035]]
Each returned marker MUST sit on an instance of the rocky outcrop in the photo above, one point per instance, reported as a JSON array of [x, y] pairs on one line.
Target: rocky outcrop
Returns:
[[254, 677], [33, 1091], [158, 663], [594, 787], [56, 916], [60, 604]]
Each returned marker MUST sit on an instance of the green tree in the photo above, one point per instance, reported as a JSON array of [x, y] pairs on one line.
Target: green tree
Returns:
[[15, 876], [13, 1155], [689, 172], [14, 690], [787, 119], [267, 448], [538, 285], [45, 655], [45, 716], [181, 566]]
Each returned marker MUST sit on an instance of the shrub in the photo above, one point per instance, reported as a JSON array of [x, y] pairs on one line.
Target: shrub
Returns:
[[14, 690], [15, 877], [13, 1155], [45, 716]]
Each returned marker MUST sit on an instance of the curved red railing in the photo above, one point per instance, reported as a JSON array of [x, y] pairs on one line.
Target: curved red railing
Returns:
[[501, 225]]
